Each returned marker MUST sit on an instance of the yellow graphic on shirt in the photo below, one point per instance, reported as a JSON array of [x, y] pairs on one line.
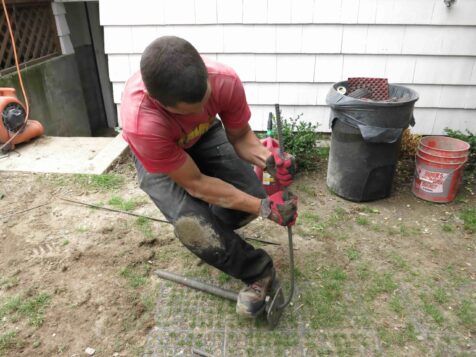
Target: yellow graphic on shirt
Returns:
[[198, 131]]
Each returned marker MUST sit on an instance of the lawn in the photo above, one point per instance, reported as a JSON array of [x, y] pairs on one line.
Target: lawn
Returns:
[[386, 278]]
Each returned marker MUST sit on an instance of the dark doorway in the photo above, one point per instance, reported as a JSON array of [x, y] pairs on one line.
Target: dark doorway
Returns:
[[87, 38]]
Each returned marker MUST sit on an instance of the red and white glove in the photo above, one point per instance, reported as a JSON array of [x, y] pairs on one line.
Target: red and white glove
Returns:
[[283, 168], [275, 208]]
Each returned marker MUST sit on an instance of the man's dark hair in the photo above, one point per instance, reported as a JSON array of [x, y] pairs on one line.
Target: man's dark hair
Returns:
[[173, 71]]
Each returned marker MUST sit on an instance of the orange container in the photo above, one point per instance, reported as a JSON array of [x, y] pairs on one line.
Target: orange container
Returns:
[[439, 168], [32, 128]]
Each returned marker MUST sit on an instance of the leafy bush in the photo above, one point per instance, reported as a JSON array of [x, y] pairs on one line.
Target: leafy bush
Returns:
[[470, 138], [300, 139]]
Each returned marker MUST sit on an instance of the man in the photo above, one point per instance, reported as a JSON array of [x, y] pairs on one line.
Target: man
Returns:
[[197, 172]]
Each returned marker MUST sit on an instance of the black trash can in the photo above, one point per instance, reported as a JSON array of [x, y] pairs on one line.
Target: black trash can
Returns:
[[365, 142]]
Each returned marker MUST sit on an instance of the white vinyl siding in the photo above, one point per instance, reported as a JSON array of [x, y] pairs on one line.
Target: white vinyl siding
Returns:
[[291, 51]]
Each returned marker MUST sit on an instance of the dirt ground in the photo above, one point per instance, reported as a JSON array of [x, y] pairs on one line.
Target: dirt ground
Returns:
[[74, 277]]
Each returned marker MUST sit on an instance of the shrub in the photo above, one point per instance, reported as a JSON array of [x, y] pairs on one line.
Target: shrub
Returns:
[[470, 138], [300, 139]]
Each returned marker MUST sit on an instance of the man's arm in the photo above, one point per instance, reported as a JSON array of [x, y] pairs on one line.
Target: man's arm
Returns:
[[248, 146], [213, 190]]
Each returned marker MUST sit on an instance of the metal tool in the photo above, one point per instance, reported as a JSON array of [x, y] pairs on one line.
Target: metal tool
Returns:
[[275, 303]]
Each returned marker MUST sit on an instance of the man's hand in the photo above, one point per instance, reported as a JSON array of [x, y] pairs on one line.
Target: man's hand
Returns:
[[276, 209], [283, 168]]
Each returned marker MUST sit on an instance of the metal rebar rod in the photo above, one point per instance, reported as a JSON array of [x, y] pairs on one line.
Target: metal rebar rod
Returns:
[[197, 352], [279, 125], [114, 210], [198, 285], [23, 211]]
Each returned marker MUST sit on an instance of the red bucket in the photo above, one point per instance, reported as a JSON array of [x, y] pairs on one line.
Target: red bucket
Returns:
[[439, 168], [444, 146]]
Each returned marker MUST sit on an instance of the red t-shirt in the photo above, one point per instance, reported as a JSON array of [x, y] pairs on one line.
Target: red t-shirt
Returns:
[[158, 138]]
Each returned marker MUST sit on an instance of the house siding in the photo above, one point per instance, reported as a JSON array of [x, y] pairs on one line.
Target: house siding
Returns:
[[290, 52]]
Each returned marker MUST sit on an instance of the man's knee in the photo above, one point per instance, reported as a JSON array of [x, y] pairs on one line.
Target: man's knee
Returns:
[[197, 235]]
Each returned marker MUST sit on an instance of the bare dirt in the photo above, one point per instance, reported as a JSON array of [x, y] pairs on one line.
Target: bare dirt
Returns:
[[96, 266]]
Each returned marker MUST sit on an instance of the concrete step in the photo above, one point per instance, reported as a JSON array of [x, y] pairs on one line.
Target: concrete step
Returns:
[[67, 155]]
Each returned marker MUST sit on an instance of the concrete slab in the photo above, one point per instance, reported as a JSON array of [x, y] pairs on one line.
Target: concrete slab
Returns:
[[67, 155]]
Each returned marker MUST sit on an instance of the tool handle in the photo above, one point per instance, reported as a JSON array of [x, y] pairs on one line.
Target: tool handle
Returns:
[[279, 125]]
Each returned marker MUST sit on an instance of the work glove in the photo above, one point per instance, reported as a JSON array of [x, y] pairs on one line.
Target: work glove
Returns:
[[283, 168], [275, 208]]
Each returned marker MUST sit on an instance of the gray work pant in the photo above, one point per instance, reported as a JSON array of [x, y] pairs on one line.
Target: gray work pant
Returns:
[[208, 230]]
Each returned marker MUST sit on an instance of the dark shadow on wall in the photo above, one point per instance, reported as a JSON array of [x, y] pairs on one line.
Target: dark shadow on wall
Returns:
[[55, 95]]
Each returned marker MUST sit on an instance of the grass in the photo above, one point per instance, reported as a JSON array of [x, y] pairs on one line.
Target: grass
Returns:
[[104, 182], [123, 204], [440, 296], [352, 253], [367, 209], [8, 340], [467, 314], [396, 305], [408, 231], [32, 308], [8, 283], [381, 283], [447, 228], [391, 337], [134, 278], [469, 218], [327, 308], [433, 311], [145, 226], [362, 221]]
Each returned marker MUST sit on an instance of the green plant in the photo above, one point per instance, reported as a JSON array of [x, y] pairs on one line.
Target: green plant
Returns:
[[134, 278], [145, 226], [8, 341], [467, 313], [470, 138], [300, 139], [469, 218], [123, 204], [362, 221], [102, 182], [31, 307]]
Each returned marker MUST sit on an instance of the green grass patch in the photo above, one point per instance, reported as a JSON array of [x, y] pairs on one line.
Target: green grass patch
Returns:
[[367, 209], [396, 305], [123, 204], [306, 189], [362, 221], [145, 227], [363, 271], [447, 228], [102, 182], [469, 218], [310, 224], [375, 283], [431, 310], [456, 277], [391, 337], [8, 283], [134, 278], [32, 308], [223, 278], [8, 341], [352, 253], [308, 217], [327, 308], [467, 314], [408, 231], [440, 296]]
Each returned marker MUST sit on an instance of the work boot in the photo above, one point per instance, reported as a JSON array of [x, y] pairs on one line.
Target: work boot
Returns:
[[251, 299]]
